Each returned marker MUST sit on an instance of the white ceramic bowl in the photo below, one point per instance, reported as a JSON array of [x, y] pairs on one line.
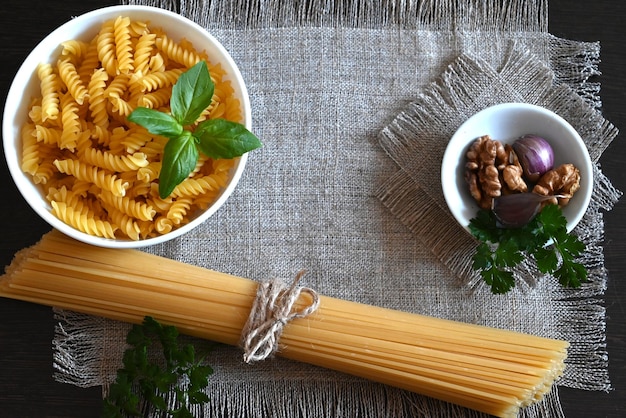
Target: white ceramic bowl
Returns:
[[25, 85], [507, 122]]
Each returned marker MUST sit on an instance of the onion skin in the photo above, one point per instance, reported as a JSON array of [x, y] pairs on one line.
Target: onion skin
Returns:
[[535, 156], [518, 209]]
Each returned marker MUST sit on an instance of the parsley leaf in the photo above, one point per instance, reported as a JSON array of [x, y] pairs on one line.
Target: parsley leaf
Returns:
[[501, 249], [492, 262], [484, 227], [216, 138], [144, 378]]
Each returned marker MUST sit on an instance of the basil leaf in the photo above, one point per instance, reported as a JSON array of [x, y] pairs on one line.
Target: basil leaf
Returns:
[[157, 123], [220, 138], [191, 94], [180, 156]]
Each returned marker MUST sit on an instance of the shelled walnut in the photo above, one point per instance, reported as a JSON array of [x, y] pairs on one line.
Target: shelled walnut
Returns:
[[492, 169], [481, 172], [513, 173], [562, 182]]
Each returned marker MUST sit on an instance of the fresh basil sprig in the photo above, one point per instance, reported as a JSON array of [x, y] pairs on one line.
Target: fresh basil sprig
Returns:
[[216, 138]]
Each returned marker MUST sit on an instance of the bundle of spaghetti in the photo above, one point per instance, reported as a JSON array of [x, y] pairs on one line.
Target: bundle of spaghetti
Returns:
[[491, 370]]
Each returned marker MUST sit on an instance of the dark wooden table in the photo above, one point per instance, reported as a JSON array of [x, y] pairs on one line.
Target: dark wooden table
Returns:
[[27, 388]]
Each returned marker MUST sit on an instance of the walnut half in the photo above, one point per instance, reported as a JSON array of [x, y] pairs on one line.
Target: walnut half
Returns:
[[562, 182], [486, 158], [513, 173]]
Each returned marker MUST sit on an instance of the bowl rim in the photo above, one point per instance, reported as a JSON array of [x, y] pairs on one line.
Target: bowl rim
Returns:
[[459, 140], [25, 73]]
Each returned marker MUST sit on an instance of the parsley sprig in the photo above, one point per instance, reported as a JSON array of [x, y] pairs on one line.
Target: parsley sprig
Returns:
[[501, 249], [216, 138], [144, 378]]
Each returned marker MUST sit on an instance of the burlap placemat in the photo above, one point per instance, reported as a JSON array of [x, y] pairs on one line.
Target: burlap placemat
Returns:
[[330, 82]]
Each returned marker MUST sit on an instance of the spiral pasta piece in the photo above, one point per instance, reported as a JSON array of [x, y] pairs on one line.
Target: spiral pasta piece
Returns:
[[49, 92], [115, 138], [106, 48], [85, 222], [86, 172], [153, 148], [138, 28], [71, 79], [133, 139], [157, 63], [123, 45], [39, 164], [45, 172], [149, 173], [74, 50], [30, 150], [47, 135], [118, 86], [112, 162], [97, 101], [178, 210], [129, 207], [126, 225], [197, 186], [139, 192], [174, 51], [81, 188], [73, 199], [121, 106], [156, 99], [163, 225], [90, 62], [143, 51], [154, 81], [35, 114], [71, 123]]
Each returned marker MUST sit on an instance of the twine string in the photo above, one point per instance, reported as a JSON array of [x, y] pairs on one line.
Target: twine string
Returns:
[[271, 311]]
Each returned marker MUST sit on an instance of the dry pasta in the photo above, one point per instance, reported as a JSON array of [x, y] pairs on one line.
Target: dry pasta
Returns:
[[71, 79], [491, 370], [98, 170], [71, 122], [123, 45], [97, 101], [49, 92]]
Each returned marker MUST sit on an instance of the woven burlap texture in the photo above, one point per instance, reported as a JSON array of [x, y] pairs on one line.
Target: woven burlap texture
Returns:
[[339, 90]]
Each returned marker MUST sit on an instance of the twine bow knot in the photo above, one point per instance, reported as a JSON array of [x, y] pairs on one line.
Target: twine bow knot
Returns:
[[271, 311]]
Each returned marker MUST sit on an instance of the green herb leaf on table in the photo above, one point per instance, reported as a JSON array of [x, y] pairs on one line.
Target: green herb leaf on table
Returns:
[[501, 249], [143, 378], [216, 138]]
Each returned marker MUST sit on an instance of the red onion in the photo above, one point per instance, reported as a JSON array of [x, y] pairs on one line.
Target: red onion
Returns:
[[516, 210], [535, 155]]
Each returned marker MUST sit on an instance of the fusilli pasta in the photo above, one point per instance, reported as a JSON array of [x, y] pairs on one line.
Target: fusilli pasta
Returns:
[[98, 170], [49, 92]]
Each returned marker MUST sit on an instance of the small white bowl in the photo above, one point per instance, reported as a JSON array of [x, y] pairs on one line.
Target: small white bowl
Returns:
[[507, 122], [25, 85]]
